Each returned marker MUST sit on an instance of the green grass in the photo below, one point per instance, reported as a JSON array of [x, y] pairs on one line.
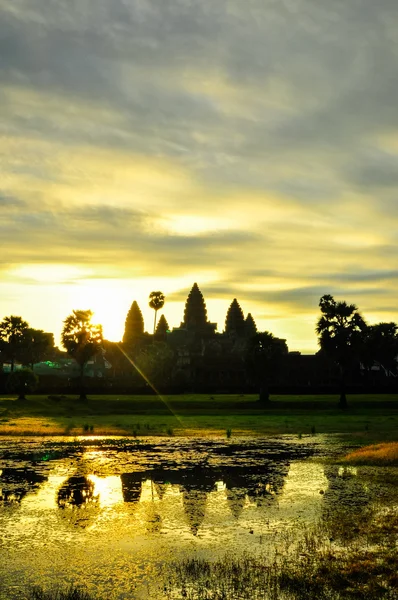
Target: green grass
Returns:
[[370, 417]]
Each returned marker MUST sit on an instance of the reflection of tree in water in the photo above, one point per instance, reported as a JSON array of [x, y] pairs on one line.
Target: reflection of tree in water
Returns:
[[16, 483], [76, 491], [76, 497], [346, 502]]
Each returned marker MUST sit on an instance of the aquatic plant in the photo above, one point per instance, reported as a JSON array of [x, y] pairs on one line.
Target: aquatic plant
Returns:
[[70, 593], [313, 569]]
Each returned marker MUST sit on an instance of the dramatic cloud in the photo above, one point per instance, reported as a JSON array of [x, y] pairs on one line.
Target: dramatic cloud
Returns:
[[251, 146]]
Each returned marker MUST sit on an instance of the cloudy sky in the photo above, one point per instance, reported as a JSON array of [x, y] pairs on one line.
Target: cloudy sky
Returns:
[[248, 145]]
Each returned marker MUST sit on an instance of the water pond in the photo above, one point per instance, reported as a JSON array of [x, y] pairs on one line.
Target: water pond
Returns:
[[109, 513]]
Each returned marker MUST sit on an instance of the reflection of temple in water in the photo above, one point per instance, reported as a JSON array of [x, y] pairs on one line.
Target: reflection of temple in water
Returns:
[[132, 486], [194, 502], [226, 487], [236, 498], [257, 485], [81, 495], [195, 484]]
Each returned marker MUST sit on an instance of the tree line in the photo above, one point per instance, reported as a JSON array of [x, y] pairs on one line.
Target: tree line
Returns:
[[344, 338]]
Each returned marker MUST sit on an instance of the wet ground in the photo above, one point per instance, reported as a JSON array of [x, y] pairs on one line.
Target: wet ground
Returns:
[[108, 513]]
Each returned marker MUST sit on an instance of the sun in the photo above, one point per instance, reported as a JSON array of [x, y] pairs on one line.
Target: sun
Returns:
[[107, 300]]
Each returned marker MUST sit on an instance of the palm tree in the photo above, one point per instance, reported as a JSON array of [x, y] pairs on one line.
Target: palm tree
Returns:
[[82, 340], [156, 301], [12, 338], [341, 330]]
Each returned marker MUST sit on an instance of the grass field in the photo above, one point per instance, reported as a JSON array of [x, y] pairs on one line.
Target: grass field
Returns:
[[385, 454], [373, 417]]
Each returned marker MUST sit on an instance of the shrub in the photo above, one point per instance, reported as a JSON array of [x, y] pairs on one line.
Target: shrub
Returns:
[[23, 382]]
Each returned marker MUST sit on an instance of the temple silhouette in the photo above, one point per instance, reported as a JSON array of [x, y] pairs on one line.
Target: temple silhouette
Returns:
[[203, 358]]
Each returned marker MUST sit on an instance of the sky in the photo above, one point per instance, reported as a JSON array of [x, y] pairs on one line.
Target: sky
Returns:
[[250, 146]]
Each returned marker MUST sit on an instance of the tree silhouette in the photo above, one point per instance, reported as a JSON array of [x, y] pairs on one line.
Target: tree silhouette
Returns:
[[156, 301], [250, 326], [163, 327], [341, 332], [82, 340], [22, 381], [12, 338], [381, 347], [235, 320], [134, 326], [264, 358], [36, 347]]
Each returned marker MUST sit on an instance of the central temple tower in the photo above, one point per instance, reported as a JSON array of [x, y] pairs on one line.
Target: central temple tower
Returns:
[[195, 313]]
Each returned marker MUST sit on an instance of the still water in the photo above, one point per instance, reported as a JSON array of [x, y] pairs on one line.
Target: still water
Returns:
[[109, 513]]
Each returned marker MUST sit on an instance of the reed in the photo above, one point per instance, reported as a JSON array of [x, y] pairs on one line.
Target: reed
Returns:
[[385, 454]]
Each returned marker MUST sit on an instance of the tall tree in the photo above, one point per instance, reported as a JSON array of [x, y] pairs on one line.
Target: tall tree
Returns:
[[235, 320], [163, 327], [82, 340], [134, 326], [195, 313], [38, 345], [264, 359], [156, 301], [341, 332], [12, 338], [250, 326], [381, 347]]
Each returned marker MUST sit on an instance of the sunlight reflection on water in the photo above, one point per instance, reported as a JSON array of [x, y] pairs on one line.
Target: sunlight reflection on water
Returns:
[[108, 517]]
